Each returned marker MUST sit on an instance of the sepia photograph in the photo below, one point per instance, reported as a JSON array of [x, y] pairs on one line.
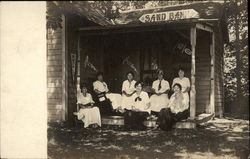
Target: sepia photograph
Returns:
[[146, 79]]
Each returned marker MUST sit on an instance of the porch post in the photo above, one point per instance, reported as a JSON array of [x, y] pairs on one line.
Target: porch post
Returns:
[[64, 71], [193, 91], [78, 89], [212, 101]]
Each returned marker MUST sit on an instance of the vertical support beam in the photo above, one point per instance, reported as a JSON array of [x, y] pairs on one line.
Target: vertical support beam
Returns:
[[64, 72], [212, 89], [193, 91], [78, 75]]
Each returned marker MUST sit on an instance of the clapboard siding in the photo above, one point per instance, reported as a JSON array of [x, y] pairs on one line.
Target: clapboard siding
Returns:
[[202, 60], [54, 75], [54, 48], [219, 91]]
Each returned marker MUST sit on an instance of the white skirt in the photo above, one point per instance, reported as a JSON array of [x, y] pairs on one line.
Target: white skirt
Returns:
[[127, 102], [115, 99], [89, 116], [186, 96], [158, 102]]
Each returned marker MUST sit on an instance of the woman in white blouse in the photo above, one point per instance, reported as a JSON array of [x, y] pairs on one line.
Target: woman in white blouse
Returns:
[[139, 112], [159, 99], [183, 81], [177, 109], [128, 89], [88, 113], [107, 101]]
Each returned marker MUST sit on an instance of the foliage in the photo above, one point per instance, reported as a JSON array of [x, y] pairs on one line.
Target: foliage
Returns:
[[53, 16], [236, 52]]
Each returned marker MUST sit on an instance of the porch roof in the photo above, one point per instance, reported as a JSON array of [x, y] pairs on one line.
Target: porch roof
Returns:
[[207, 12]]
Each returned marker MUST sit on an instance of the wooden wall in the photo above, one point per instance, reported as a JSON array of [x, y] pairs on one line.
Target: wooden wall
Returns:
[[219, 69], [203, 70], [54, 75]]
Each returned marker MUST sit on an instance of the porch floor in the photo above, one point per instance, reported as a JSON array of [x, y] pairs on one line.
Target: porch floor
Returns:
[[219, 138]]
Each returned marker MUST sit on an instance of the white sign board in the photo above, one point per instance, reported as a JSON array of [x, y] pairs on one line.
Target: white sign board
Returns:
[[169, 16]]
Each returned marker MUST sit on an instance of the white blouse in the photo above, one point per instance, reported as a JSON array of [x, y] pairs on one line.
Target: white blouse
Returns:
[[141, 104], [128, 87], [178, 104], [84, 100], [164, 86], [100, 86], [184, 82]]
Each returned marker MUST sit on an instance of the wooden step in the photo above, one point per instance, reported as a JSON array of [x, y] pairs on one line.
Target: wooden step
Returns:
[[113, 120], [185, 125], [150, 123]]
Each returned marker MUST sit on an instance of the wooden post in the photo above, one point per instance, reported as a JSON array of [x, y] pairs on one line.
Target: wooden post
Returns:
[[212, 53], [193, 91], [64, 72], [78, 89]]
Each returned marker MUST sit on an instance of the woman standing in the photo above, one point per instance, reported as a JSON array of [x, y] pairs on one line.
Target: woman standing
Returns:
[[139, 112], [177, 109], [183, 81], [159, 99], [128, 89], [88, 113]]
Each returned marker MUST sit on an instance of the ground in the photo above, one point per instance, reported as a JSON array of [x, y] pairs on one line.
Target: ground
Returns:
[[219, 138]]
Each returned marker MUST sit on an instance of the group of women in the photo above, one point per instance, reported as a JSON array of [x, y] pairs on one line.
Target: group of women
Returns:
[[135, 104]]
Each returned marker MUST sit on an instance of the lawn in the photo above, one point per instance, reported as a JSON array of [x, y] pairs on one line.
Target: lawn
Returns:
[[220, 138]]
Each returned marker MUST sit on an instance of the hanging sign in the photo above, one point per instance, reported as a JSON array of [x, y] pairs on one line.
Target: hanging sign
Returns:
[[73, 63], [183, 48], [130, 64], [169, 16], [89, 64]]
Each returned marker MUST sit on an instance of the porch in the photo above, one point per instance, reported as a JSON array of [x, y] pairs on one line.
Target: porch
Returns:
[[143, 50], [192, 39]]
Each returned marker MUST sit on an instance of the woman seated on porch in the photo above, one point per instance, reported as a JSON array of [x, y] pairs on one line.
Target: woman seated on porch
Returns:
[[177, 109], [183, 81], [107, 102], [88, 113], [159, 99], [128, 89], [139, 112]]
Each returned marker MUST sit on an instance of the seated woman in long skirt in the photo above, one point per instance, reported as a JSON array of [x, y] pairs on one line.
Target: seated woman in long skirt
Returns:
[[88, 113], [177, 109], [107, 102], [139, 112], [128, 89], [159, 99]]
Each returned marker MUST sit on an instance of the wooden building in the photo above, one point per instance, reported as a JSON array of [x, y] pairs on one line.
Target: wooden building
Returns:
[[190, 36]]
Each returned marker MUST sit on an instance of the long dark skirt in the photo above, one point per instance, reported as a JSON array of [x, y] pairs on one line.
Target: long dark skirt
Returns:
[[134, 120], [105, 108], [167, 119]]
